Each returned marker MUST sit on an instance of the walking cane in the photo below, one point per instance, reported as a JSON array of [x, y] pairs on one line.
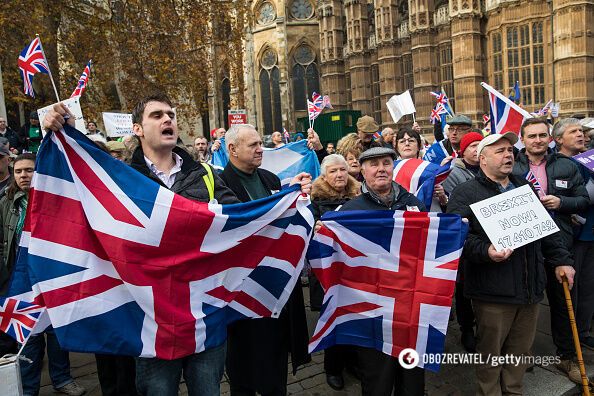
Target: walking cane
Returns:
[[576, 340]]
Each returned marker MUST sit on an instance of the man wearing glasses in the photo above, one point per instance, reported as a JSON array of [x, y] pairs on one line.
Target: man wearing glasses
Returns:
[[459, 125]]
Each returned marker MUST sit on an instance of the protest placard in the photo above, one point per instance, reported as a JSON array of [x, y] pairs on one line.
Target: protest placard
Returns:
[[586, 159], [514, 218], [73, 105], [117, 124]]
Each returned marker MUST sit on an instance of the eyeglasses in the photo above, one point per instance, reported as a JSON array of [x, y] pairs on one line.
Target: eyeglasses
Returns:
[[410, 141], [459, 128]]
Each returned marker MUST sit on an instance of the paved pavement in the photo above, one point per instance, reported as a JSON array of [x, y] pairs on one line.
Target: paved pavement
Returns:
[[450, 381]]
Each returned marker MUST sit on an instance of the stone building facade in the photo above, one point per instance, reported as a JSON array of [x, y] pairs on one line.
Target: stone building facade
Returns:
[[361, 52]]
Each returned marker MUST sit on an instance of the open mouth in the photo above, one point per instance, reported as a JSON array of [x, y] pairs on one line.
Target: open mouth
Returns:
[[167, 132]]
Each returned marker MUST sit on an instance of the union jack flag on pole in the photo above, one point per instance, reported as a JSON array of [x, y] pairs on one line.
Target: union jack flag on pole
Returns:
[[419, 177], [437, 112], [18, 318], [506, 116], [32, 61], [82, 81], [313, 110], [388, 278], [104, 247]]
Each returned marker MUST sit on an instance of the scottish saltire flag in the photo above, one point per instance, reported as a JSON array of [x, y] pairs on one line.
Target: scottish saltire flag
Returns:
[[291, 159], [82, 81], [18, 318], [388, 278], [419, 177], [162, 276], [219, 158], [32, 61], [437, 152]]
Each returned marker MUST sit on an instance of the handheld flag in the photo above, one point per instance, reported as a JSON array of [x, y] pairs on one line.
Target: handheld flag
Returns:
[[313, 110], [388, 278], [286, 135], [32, 61], [82, 81], [516, 96], [437, 152], [18, 318], [544, 111], [419, 177], [162, 276], [531, 177], [400, 105], [506, 116]]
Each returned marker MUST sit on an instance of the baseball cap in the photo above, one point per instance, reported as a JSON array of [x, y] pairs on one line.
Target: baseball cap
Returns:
[[367, 124], [512, 137]]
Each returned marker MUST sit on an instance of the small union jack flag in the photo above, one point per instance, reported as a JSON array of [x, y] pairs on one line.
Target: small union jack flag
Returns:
[[441, 97], [18, 318], [377, 136], [326, 103], [543, 112], [533, 180], [82, 81], [437, 112], [286, 134], [313, 110], [486, 119], [32, 61]]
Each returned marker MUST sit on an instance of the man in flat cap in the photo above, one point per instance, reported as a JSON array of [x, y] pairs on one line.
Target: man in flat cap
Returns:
[[366, 127], [458, 126], [378, 192]]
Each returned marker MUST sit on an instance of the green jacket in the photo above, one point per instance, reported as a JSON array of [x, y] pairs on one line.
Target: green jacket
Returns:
[[9, 216]]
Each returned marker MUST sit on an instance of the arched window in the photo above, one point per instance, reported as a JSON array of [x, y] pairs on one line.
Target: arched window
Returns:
[[304, 75], [226, 96], [270, 92]]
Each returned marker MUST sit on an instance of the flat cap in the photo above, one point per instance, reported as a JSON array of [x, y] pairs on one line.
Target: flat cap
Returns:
[[377, 152], [367, 124], [459, 119]]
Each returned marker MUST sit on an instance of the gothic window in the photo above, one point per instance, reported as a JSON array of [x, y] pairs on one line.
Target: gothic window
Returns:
[[270, 92], [302, 9], [266, 14], [447, 71], [497, 61], [409, 79], [375, 91], [304, 76], [525, 62], [226, 96]]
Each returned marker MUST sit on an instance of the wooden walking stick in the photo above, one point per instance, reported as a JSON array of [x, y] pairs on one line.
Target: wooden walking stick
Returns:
[[576, 339]]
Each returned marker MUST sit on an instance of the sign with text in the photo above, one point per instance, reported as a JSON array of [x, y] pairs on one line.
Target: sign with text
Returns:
[[73, 105], [586, 159], [117, 124], [514, 218], [237, 117]]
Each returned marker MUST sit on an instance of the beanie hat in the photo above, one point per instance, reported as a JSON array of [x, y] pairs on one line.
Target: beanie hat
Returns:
[[468, 139]]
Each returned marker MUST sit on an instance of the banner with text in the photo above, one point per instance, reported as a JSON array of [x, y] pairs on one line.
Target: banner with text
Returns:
[[73, 105], [117, 124], [514, 218]]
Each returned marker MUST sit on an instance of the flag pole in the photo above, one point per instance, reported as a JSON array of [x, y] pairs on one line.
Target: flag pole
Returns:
[[506, 100], [48, 68]]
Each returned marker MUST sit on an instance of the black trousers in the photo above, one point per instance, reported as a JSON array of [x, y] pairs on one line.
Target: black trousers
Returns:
[[560, 327], [7, 344], [381, 374], [464, 312], [337, 358], [117, 375], [583, 252]]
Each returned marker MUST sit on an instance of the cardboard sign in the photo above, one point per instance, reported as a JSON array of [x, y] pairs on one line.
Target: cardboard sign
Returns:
[[237, 117], [73, 105], [514, 218], [586, 159], [117, 124], [555, 107]]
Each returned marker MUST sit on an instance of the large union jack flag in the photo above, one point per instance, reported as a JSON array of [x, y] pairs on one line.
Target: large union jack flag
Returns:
[[505, 116], [18, 318], [419, 177], [388, 279], [106, 248], [32, 61], [82, 81]]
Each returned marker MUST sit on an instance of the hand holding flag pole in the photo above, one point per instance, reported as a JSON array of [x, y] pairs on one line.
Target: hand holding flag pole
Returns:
[[48, 69]]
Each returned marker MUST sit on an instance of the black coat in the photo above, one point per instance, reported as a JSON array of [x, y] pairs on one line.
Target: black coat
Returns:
[[366, 201], [521, 278], [257, 348], [14, 139], [189, 183], [564, 180]]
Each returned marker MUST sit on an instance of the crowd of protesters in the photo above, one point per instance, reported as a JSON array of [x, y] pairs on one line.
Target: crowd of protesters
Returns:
[[497, 292]]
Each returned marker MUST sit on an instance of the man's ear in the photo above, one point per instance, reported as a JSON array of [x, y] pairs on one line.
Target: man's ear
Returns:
[[137, 129], [231, 149]]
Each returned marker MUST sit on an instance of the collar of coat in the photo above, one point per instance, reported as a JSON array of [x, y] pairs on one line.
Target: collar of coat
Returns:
[[321, 190]]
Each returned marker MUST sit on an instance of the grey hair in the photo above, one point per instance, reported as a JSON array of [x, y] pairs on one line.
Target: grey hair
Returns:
[[562, 125], [387, 128], [233, 133], [332, 159]]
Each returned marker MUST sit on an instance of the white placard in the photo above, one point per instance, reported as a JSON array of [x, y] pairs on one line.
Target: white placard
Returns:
[[514, 218], [73, 105], [117, 124], [555, 107], [400, 105]]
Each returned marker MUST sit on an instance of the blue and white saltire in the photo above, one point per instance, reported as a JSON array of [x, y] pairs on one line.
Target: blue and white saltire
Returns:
[[291, 159]]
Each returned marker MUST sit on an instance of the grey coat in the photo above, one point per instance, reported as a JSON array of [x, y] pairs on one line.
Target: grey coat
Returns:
[[458, 175]]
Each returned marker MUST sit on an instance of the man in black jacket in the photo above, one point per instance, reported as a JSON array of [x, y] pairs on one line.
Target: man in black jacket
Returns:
[[381, 373], [158, 158], [11, 135], [562, 191], [505, 286], [258, 349]]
